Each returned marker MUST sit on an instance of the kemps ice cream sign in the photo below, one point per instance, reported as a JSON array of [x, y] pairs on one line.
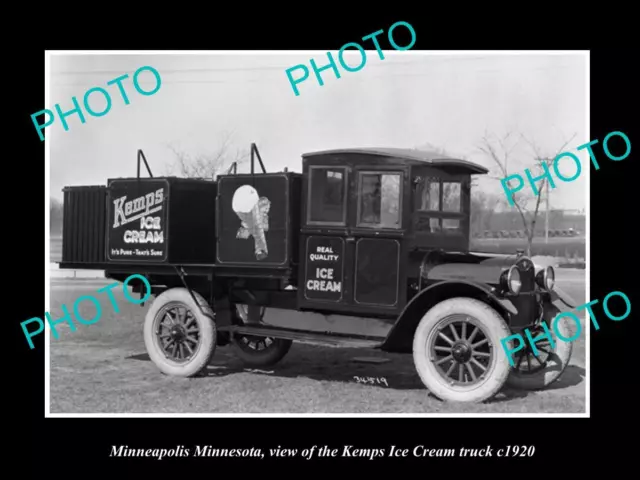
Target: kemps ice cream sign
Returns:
[[137, 222]]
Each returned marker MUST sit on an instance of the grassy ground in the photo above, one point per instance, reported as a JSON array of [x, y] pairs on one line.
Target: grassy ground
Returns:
[[103, 368]]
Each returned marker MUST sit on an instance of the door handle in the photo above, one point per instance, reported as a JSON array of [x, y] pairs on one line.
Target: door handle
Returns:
[[351, 239]]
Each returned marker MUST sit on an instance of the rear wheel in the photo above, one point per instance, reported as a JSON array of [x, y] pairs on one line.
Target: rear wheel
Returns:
[[260, 351], [534, 372], [180, 335], [456, 350], [256, 351]]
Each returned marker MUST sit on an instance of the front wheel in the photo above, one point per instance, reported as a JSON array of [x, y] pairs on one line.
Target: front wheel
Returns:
[[456, 350], [179, 334]]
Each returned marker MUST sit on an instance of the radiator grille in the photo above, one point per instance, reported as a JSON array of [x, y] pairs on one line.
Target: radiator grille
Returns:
[[527, 275], [525, 302]]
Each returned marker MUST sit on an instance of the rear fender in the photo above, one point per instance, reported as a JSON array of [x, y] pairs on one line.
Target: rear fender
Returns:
[[400, 337]]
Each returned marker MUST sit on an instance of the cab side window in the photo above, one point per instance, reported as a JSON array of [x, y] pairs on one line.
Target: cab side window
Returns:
[[327, 195], [379, 197], [451, 197], [440, 198]]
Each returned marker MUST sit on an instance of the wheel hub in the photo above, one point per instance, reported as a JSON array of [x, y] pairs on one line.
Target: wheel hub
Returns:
[[178, 333], [461, 352]]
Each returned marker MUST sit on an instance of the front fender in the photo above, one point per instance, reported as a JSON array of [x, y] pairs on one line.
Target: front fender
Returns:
[[562, 299], [400, 336], [481, 274]]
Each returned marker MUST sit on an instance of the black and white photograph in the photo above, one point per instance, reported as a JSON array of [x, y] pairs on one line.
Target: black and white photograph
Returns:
[[273, 233]]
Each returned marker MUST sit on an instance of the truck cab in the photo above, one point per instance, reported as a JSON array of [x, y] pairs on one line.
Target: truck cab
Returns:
[[369, 215]]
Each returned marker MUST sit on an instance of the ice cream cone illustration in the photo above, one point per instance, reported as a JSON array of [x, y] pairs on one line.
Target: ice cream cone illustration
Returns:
[[253, 214]]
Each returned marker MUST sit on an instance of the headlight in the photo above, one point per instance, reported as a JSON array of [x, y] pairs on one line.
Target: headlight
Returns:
[[546, 278], [513, 280], [549, 278]]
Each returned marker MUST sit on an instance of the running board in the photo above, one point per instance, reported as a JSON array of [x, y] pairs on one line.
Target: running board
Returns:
[[324, 338]]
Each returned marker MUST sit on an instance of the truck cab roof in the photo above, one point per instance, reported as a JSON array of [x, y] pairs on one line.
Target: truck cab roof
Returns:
[[405, 156]]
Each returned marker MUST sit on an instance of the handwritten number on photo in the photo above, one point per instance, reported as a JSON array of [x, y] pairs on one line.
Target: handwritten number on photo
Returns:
[[371, 380]]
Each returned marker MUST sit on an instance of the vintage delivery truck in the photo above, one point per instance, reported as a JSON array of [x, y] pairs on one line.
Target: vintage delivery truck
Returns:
[[375, 235]]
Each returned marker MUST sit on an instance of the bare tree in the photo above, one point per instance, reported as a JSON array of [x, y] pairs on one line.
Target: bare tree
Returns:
[[207, 165], [501, 152]]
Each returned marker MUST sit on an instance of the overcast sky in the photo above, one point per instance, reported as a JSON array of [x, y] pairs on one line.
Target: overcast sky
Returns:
[[408, 99]]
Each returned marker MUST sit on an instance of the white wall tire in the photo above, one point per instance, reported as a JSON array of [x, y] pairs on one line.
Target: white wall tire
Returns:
[[469, 365], [535, 372], [180, 338]]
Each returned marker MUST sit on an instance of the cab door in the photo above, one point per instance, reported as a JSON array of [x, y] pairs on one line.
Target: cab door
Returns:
[[377, 242], [324, 280], [352, 239]]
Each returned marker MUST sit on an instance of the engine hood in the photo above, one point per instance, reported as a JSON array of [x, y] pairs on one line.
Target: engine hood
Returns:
[[478, 267]]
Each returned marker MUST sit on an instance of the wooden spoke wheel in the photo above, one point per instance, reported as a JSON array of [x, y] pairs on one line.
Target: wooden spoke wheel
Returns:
[[256, 351], [457, 350], [180, 335]]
